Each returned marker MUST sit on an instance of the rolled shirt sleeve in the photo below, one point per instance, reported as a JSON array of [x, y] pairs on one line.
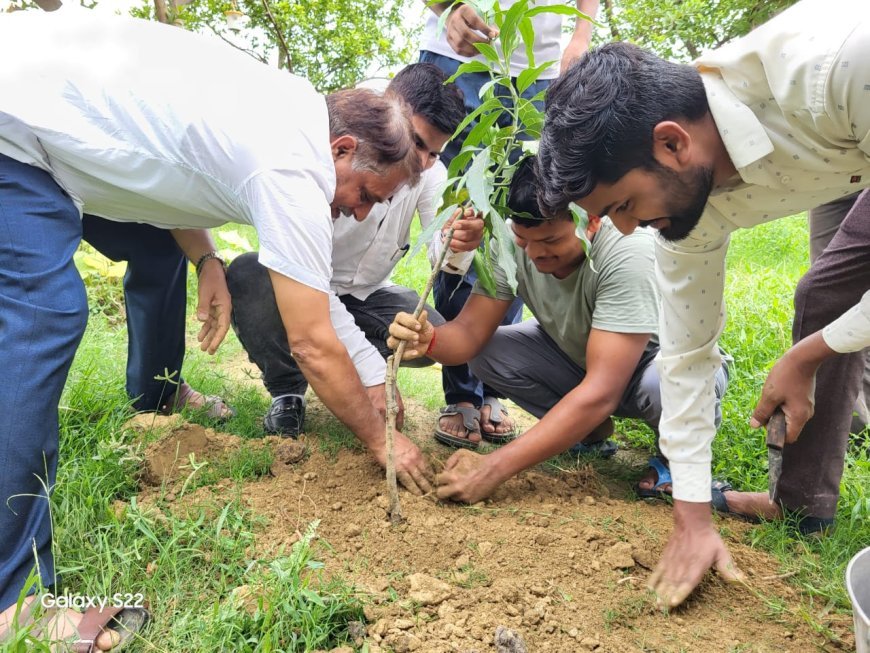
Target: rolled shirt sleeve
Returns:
[[430, 196], [367, 360], [691, 281], [851, 331]]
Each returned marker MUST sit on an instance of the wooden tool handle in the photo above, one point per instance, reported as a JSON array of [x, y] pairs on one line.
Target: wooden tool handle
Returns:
[[776, 429]]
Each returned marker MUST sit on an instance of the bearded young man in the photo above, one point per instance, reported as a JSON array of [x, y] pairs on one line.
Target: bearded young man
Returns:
[[759, 129]]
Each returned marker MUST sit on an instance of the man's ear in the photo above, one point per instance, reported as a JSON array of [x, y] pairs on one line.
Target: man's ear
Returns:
[[343, 146], [672, 145], [593, 226]]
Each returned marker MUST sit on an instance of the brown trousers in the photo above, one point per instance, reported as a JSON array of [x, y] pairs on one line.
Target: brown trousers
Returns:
[[812, 467]]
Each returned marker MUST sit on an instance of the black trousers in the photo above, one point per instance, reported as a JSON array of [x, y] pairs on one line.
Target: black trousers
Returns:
[[258, 324]]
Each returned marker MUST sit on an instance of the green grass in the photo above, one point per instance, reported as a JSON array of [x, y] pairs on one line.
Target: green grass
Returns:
[[189, 566], [186, 567]]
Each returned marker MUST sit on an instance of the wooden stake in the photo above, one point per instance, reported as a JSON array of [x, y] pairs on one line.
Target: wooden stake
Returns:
[[393, 364]]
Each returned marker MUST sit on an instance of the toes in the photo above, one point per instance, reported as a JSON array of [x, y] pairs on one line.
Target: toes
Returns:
[[107, 640]]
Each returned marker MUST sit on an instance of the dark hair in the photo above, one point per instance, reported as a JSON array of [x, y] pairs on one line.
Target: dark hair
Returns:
[[382, 126], [600, 119], [422, 86], [522, 200]]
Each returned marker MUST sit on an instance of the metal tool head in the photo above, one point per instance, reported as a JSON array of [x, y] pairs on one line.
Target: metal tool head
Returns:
[[775, 443]]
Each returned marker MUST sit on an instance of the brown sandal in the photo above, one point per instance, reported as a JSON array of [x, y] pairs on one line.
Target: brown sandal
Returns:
[[470, 422], [497, 414], [126, 622], [214, 407]]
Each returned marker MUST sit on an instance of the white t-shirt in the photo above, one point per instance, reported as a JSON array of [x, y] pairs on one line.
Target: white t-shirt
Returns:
[[144, 122], [365, 253], [548, 33]]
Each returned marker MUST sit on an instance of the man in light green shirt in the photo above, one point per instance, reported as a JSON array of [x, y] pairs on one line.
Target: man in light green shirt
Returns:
[[587, 355]]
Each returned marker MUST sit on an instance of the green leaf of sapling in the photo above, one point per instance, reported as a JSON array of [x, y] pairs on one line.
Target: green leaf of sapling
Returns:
[[479, 182]]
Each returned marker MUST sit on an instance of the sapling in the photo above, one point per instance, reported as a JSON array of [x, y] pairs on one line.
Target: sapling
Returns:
[[501, 132]]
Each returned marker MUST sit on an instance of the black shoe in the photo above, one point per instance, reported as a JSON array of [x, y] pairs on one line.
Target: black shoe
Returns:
[[286, 416]]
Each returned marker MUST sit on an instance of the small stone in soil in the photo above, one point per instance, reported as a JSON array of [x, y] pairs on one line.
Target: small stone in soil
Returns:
[[485, 548], [508, 641]]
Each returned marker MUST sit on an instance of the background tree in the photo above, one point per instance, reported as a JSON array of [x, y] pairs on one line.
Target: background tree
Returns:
[[332, 43], [683, 29]]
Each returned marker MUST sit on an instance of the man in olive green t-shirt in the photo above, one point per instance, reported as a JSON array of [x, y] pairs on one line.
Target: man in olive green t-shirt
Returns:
[[587, 355]]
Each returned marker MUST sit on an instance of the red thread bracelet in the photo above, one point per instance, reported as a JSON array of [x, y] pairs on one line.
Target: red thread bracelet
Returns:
[[431, 342]]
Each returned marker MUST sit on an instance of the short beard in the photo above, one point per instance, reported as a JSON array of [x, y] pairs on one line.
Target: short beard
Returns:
[[688, 194]]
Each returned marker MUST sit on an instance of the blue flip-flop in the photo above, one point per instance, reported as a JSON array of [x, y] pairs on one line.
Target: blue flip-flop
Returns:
[[664, 477], [602, 449]]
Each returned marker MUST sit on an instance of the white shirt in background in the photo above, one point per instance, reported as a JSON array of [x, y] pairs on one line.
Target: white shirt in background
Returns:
[[548, 35]]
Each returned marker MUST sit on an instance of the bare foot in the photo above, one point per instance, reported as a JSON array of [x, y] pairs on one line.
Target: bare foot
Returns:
[[455, 425], [187, 397], [752, 504]]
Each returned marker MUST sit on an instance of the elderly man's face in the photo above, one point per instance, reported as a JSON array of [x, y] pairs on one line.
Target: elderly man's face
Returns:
[[669, 201], [356, 191]]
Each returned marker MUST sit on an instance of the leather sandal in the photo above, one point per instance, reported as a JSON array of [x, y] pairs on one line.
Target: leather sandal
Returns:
[[214, 407], [126, 622], [497, 414], [470, 421]]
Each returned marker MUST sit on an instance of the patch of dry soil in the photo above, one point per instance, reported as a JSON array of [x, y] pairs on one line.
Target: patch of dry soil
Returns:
[[554, 559]]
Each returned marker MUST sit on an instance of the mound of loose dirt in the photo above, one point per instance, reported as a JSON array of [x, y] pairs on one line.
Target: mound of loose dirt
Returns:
[[554, 562]]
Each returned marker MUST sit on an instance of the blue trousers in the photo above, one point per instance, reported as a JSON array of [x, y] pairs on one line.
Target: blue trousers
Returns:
[[43, 312], [452, 291], [155, 294]]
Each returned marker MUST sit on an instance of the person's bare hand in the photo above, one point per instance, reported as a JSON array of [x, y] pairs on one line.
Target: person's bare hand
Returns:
[[466, 477], [790, 385], [571, 54], [412, 469], [467, 232], [693, 547], [417, 333], [215, 306], [464, 28]]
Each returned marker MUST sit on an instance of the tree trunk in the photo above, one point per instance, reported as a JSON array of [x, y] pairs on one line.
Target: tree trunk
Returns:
[[692, 49], [608, 14], [160, 11]]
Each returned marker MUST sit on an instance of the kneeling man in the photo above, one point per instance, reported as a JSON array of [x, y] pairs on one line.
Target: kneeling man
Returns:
[[587, 355]]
